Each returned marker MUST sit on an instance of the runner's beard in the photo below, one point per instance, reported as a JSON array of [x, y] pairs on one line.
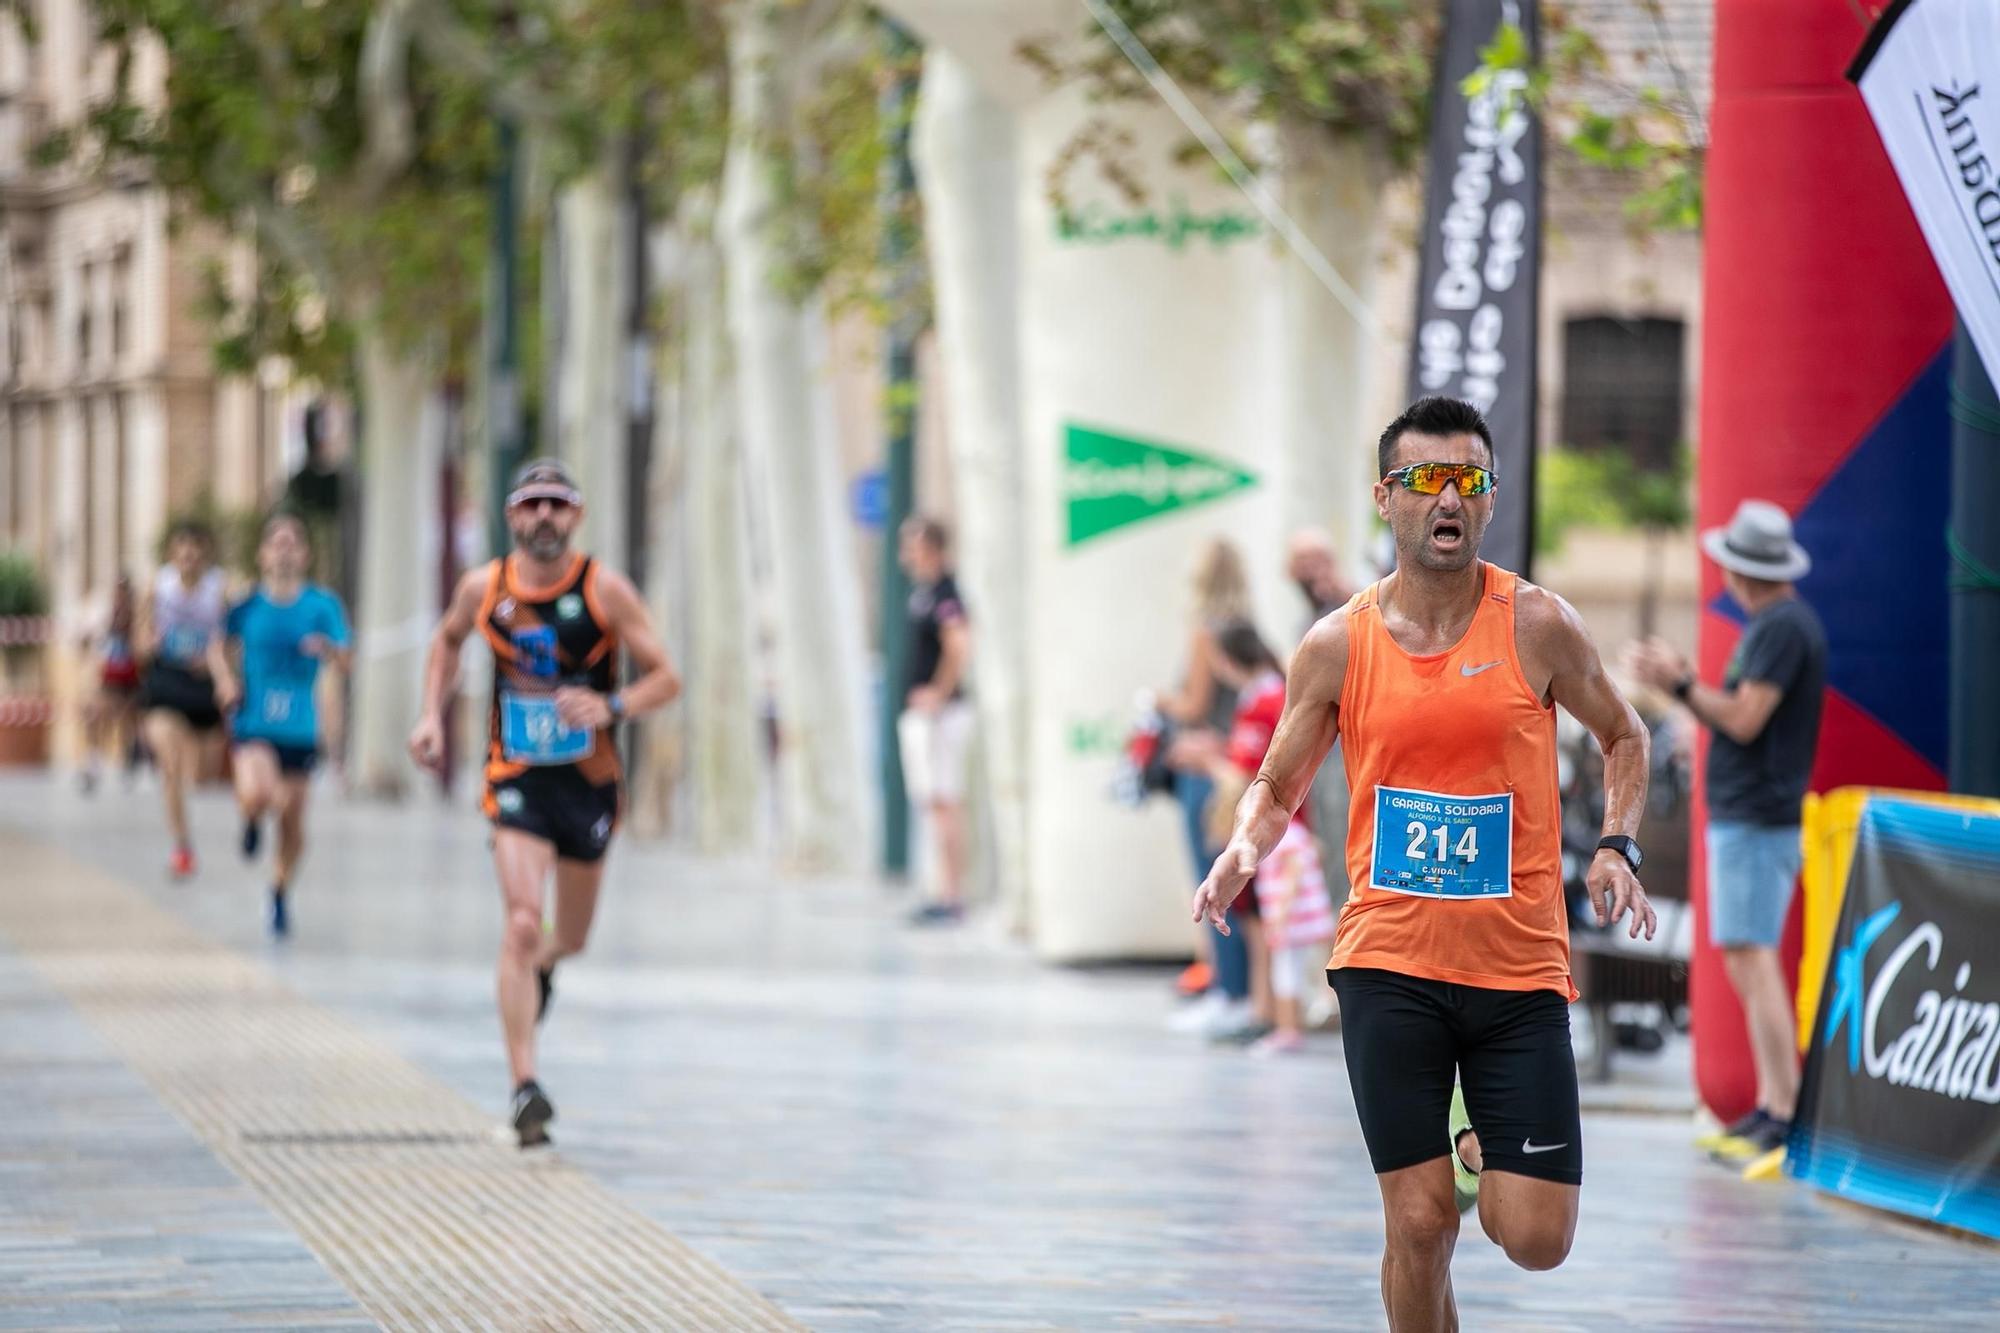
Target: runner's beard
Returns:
[[1415, 544], [543, 542]]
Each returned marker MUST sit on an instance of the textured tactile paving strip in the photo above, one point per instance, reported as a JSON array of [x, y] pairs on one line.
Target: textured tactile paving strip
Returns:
[[400, 1187]]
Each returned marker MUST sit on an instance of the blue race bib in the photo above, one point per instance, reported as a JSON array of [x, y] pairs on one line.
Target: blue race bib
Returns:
[[1443, 846], [285, 707], [184, 643], [532, 732]]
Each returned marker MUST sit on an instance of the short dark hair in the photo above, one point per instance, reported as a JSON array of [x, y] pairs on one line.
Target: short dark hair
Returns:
[[1242, 644], [1433, 416], [291, 516], [194, 530], [935, 534]]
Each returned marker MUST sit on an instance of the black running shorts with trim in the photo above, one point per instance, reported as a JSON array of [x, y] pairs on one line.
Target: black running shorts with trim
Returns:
[[560, 806], [1408, 1038], [294, 761]]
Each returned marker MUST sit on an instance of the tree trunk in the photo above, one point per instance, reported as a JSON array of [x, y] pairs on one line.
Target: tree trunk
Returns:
[[784, 416], [704, 754], [399, 428], [1334, 192], [964, 150], [589, 412]]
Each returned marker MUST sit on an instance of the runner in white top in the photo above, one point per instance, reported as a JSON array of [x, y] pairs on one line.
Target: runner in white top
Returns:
[[188, 684]]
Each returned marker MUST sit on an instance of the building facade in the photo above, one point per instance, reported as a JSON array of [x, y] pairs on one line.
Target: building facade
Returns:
[[112, 415]]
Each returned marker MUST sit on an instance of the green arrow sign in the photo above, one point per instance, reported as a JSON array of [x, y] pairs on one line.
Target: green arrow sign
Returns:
[[1110, 481]]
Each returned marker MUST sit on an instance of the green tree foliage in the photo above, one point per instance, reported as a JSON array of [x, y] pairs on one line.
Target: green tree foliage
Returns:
[[1651, 133], [1357, 68], [356, 162], [1604, 489]]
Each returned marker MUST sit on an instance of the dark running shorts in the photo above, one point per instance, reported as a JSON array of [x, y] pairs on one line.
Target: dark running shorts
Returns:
[[560, 806], [1407, 1038], [294, 761], [178, 690]]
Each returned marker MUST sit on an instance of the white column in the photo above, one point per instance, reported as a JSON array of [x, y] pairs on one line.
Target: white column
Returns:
[[591, 422], [784, 413], [966, 168], [398, 558]]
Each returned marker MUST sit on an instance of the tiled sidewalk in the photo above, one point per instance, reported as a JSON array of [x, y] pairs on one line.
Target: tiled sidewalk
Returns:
[[868, 1128]]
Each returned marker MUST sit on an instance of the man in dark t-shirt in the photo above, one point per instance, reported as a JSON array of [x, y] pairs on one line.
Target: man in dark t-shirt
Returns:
[[1764, 721], [935, 729]]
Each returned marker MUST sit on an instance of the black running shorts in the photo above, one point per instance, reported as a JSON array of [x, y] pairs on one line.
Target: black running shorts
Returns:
[[1407, 1038], [294, 761], [558, 805], [179, 690]]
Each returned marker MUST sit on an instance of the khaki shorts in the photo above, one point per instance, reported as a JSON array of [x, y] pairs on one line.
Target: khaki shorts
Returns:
[[934, 748]]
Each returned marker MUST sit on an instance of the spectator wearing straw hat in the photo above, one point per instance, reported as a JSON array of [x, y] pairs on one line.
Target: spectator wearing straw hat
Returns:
[[1764, 717]]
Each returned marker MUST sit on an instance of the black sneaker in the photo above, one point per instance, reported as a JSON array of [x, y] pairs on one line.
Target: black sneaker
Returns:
[[532, 1114], [281, 922], [1748, 1125], [937, 914], [253, 837], [545, 985], [1771, 1134]]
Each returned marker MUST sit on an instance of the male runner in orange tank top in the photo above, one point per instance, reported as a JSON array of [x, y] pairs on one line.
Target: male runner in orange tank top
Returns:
[[1451, 957], [554, 785]]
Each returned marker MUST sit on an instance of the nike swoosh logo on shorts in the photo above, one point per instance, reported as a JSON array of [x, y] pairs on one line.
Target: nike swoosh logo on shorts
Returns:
[[1470, 670], [1528, 1146]]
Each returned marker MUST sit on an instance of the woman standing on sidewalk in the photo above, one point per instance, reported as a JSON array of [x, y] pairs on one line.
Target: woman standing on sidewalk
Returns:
[[1204, 707]]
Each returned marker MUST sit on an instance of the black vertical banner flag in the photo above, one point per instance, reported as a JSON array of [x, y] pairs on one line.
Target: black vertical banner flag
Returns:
[[1474, 335]]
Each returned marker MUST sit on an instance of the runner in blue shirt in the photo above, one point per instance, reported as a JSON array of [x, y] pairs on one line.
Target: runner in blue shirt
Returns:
[[285, 630]]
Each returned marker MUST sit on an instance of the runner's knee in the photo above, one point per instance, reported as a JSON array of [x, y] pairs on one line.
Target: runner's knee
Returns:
[[524, 932], [1422, 1226], [1540, 1245]]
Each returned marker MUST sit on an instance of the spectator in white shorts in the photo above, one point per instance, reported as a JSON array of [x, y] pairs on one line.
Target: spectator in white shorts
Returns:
[[1765, 719], [935, 729]]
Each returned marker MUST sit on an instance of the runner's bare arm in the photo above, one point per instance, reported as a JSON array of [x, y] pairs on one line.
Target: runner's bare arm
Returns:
[[658, 683], [441, 664], [220, 673], [1306, 732], [1556, 646]]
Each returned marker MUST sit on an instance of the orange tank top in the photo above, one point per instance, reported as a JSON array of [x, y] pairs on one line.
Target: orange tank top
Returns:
[[1454, 837]]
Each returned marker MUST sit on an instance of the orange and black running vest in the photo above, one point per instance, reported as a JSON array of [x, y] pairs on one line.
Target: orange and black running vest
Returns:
[[1454, 837], [544, 638]]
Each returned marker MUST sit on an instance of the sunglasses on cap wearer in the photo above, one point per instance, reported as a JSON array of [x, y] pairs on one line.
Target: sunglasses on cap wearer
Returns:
[[1432, 478], [562, 497]]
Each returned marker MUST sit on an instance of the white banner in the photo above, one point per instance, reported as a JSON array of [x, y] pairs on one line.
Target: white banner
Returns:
[[1930, 73]]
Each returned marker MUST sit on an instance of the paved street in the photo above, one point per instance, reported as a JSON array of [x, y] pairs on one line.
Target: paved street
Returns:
[[777, 1108]]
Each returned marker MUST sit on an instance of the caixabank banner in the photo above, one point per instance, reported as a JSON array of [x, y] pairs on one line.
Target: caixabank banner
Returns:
[[1900, 1106]]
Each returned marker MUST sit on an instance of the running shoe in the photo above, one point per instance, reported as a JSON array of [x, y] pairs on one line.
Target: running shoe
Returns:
[[1738, 1140], [545, 986], [281, 923], [181, 864], [1195, 979], [937, 914], [532, 1114], [1764, 1135], [253, 837], [1196, 1015], [1278, 1043], [1235, 1021], [1464, 1180]]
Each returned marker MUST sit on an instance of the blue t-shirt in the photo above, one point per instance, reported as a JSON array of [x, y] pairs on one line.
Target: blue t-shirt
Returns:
[[278, 678]]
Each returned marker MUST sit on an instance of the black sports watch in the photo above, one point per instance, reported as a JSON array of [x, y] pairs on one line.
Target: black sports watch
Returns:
[[616, 703], [1625, 847]]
